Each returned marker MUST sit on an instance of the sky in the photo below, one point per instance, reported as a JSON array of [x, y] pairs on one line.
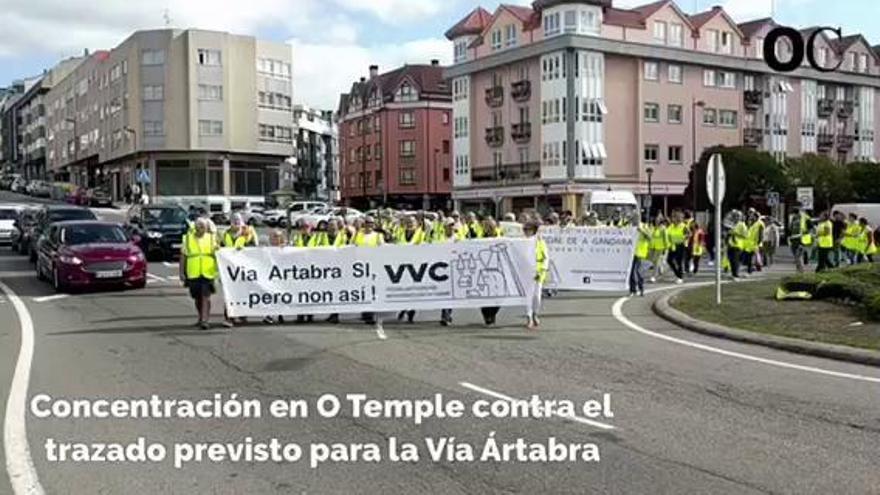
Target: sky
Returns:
[[333, 41]]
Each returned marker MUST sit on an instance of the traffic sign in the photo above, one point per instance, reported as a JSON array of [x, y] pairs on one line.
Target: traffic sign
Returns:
[[805, 197], [710, 179], [772, 199], [143, 176]]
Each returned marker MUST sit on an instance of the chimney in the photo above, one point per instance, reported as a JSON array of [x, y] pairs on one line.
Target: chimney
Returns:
[[374, 71], [435, 62], [85, 52], [363, 79]]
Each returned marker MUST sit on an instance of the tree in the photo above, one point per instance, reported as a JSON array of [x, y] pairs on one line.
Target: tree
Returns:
[[830, 182], [865, 180], [750, 174]]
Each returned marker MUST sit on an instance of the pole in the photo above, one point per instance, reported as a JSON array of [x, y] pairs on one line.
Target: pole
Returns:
[[716, 189]]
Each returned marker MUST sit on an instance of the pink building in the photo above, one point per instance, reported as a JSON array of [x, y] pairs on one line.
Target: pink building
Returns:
[[567, 97], [395, 134]]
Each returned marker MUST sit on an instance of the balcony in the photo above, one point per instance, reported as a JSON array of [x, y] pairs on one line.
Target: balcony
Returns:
[[845, 109], [753, 99], [521, 90], [510, 173], [824, 142], [825, 107], [495, 96], [495, 136], [845, 142], [753, 137], [522, 132]]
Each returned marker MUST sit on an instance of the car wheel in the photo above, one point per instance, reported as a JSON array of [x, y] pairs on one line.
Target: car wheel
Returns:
[[140, 284]]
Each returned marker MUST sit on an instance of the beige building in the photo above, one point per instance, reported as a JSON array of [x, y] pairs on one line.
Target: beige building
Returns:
[[187, 112]]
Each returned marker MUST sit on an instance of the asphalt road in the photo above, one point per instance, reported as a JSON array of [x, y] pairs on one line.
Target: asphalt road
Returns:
[[686, 419]]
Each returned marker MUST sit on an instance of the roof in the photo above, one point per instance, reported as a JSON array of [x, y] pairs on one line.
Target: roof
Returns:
[[845, 43], [428, 79], [545, 4], [473, 23], [637, 16], [650, 9], [749, 28], [698, 20]]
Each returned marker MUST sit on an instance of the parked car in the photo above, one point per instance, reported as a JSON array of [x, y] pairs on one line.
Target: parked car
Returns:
[[328, 213], [50, 214], [160, 229], [8, 218], [100, 197], [90, 254], [6, 182], [18, 185], [78, 196], [24, 228], [40, 189]]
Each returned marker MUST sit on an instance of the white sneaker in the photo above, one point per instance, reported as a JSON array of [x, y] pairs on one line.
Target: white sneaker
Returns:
[[711, 263], [679, 281], [653, 280]]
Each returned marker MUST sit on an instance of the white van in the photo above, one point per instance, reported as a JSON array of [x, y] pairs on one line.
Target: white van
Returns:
[[605, 203], [871, 211]]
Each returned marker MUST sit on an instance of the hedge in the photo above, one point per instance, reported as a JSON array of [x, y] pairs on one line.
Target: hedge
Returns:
[[859, 284]]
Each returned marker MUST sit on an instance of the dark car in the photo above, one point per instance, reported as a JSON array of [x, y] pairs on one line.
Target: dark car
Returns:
[[50, 214], [160, 228], [90, 254], [100, 197]]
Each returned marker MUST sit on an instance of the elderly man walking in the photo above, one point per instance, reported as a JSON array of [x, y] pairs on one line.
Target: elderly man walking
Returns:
[[198, 268]]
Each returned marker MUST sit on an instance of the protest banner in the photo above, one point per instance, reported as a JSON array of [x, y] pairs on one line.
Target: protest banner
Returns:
[[470, 274], [589, 258]]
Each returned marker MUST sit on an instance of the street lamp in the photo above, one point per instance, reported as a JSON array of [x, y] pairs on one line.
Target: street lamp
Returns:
[[650, 172], [696, 104]]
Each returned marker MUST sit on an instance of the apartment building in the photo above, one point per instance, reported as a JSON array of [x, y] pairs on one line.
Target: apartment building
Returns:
[[185, 112], [566, 97], [315, 168], [395, 132]]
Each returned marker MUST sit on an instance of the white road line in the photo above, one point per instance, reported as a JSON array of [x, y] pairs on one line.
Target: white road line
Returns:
[[17, 274], [380, 332], [155, 277], [19, 464], [617, 311], [50, 298], [169, 264], [576, 419]]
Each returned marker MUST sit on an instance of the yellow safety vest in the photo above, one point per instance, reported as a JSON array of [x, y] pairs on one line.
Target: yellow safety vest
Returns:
[[862, 242], [477, 230], [199, 252], [643, 243], [872, 246], [461, 231], [241, 241], [851, 235], [825, 234], [739, 236], [541, 261], [322, 239], [698, 248], [300, 240], [676, 233], [373, 239], [806, 237], [418, 237], [498, 233], [754, 240], [659, 239]]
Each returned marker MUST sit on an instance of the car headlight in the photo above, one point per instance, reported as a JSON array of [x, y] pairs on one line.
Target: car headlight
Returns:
[[70, 260], [136, 258], [154, 235]]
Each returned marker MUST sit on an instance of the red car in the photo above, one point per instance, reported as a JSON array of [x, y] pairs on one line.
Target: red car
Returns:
[[90, 254]]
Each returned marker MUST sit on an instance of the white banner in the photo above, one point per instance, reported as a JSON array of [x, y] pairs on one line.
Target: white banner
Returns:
[[288, 281], [589, 258]]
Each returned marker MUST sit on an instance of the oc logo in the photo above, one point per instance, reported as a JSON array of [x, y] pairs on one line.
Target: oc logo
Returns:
[[799, 48]]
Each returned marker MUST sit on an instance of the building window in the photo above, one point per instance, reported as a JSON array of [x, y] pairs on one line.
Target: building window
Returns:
[[863, 63], [510, 35], [445, 146], [210, 128], [675, 35], [660, 32], [673, 114], [674, 154], [727, 42], [822, 56], [551, 24], [727, 80], [153, 128], [709, 116], [759, 47], [652, 112], [210, 92], [444, 118], [652, 152], [273, 101], [652, 71], [208, 57], [154, 92], [407, 177], [708, 77], [377, 151], [275, 133], [712, 40], [496, 39], [851, 58], [152, 57], [727, 118], [407, 120], [406, 93], [274, 68], [460, 89], [674, 73], [407, 149], [461, 51]]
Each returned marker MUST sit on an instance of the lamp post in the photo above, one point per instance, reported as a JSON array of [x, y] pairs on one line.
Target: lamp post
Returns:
[[433, 176], [650, 172], [696, 104]]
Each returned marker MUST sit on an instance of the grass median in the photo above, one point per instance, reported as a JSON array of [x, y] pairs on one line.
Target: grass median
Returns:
[[752, 306]]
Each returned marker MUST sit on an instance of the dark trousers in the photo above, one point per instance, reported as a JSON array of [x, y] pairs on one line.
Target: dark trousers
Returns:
[[686, 260], [675, 259], [824, 259], [489, 314], [696, 260], [746, 261], [733, 256], [636, 279]]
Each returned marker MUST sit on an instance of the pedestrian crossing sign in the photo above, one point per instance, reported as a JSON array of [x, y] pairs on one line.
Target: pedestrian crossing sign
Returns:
[[143, 176]]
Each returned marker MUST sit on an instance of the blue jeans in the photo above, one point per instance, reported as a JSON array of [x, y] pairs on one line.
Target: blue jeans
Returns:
[[636, 279]]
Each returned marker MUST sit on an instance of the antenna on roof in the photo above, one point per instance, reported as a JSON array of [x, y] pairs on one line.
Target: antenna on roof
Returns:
[[166, 15]]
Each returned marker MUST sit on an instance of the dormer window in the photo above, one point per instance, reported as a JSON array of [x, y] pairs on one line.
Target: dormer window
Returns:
[[496, 39], [375, 101], [461, 50], [551, 24], [406, 93], [510, 35]]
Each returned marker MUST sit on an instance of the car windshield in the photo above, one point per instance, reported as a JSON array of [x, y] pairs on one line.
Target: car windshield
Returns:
[[66, 215], [93, 234], [165, 215], [8, 214]]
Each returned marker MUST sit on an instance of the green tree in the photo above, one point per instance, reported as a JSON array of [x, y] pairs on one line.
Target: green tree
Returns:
[[750, 175], [865, 180], [830, 182]]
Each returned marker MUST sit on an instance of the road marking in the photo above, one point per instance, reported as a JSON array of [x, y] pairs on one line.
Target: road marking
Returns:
[[616, 310], [50, 298], [169, 264], [29, 273], [19, 464], [380, 332], [576, 419], [155, 277]]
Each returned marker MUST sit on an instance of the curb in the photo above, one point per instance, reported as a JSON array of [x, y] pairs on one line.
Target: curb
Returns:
[[837, 352]]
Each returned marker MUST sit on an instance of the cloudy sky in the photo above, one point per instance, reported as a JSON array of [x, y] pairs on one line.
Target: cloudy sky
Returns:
[[334, 41]]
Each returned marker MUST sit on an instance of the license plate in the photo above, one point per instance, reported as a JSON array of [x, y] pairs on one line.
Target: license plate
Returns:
[[109, 274]]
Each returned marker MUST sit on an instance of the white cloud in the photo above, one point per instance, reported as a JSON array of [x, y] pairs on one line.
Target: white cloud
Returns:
[[396, 11], [324, 70]]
